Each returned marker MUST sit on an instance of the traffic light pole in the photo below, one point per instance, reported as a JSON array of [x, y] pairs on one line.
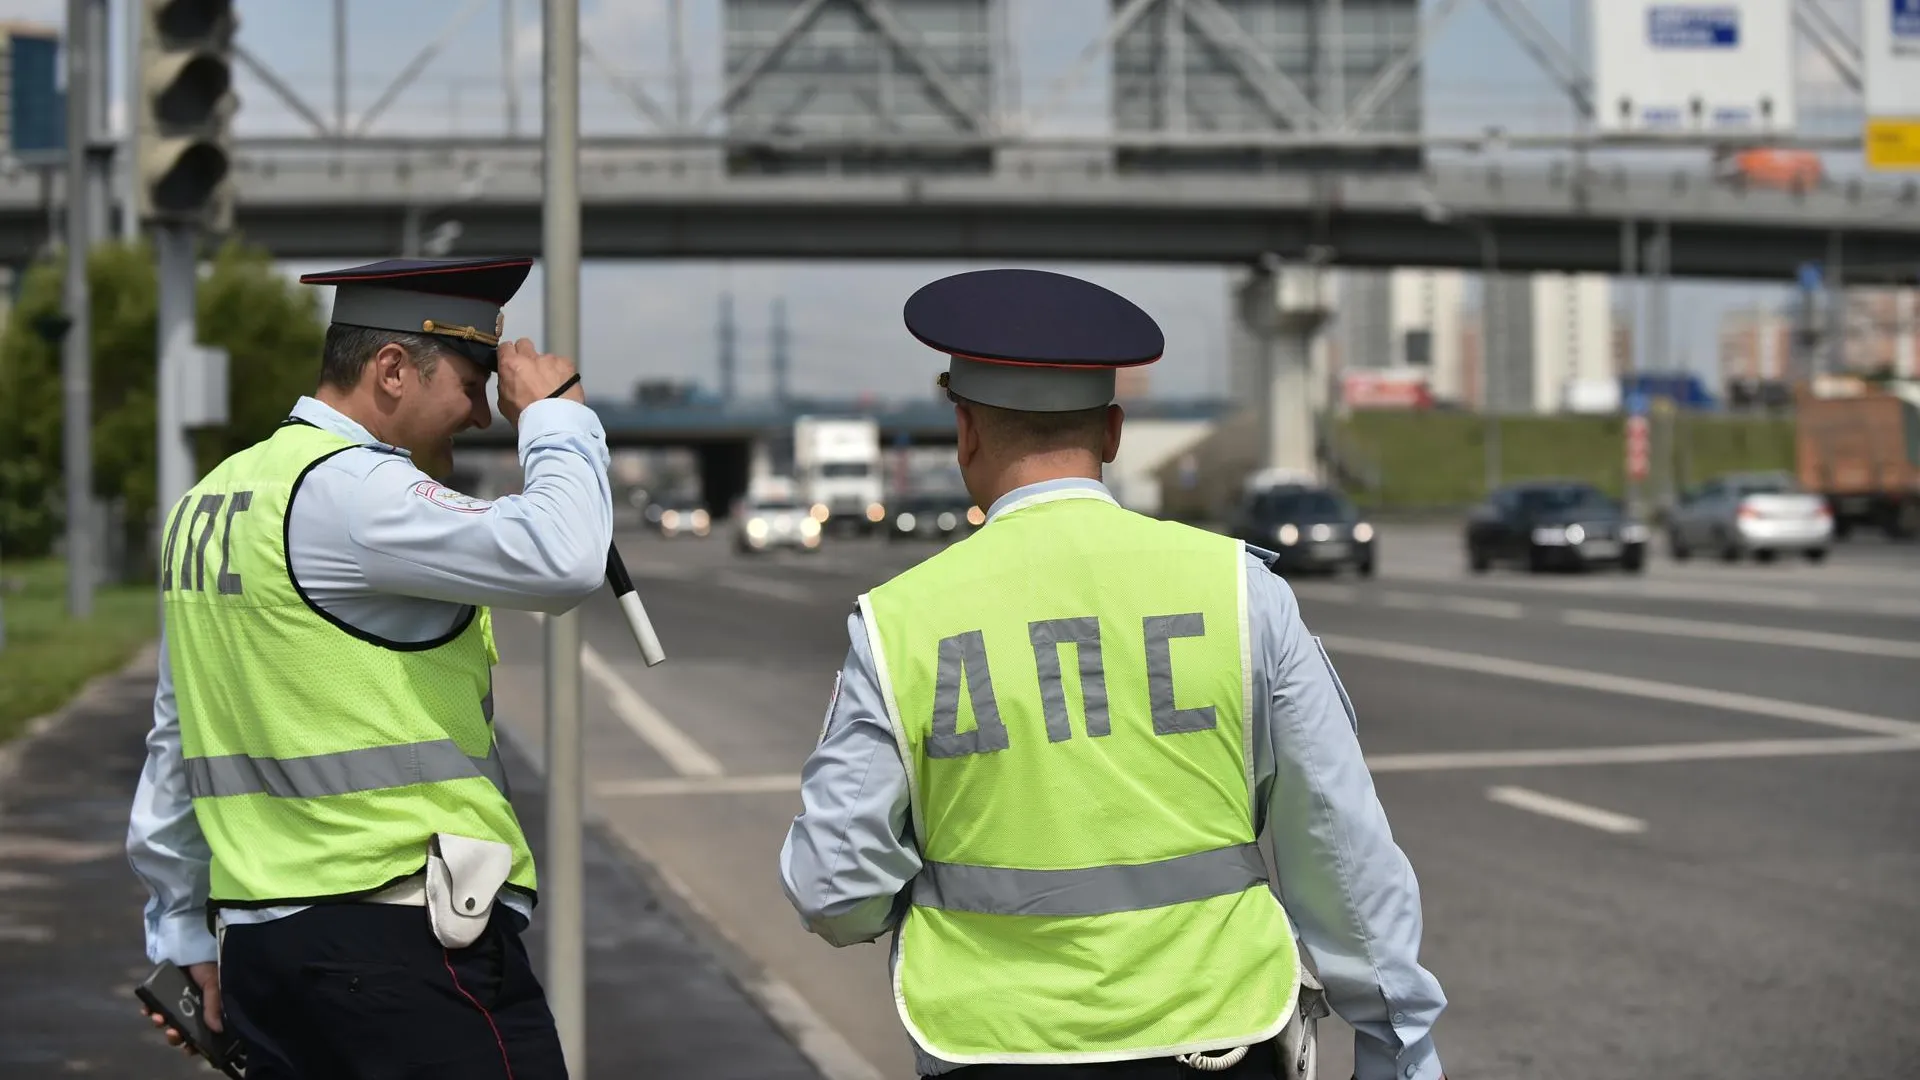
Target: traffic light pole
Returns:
[[76, 377], [175, 265], [100, 150], [563, 873]]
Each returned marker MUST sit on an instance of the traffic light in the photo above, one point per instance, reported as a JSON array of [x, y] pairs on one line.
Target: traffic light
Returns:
[[186, 71]]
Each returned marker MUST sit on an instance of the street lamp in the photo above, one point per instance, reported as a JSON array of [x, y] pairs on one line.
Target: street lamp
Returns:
[[1435, 213]]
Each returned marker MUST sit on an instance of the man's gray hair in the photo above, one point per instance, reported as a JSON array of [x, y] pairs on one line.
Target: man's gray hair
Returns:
[[348, 349]]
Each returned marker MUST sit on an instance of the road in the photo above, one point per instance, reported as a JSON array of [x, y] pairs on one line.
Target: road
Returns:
[[1663, 824]]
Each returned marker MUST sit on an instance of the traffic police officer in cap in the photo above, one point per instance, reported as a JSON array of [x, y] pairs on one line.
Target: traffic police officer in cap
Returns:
[[1053, 744], [323, 822]]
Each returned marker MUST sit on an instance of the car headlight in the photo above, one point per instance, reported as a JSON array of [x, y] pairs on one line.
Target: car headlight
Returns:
[[876, 512], [1552, 536], [757, 528], [809, 527], [1288, 534], [946, 521], [1575, 534], [670, 519], [1362, 533], [975, 516], [820, 513], [700, 519], [905, 522], [1322, 533], [1635, 534]]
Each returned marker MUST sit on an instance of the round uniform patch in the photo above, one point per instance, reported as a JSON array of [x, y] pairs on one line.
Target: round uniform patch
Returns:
[[450, 499]]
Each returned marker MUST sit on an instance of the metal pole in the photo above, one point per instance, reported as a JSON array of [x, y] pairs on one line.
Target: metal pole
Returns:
[[174, 259], [76, 359], [130, 145], [563, 873], [340, 69], [510, 68], [1490, 259], [1836, 358], [99, 129]]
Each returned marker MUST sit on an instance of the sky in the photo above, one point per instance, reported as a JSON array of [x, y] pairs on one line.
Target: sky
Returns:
[[657, 320]]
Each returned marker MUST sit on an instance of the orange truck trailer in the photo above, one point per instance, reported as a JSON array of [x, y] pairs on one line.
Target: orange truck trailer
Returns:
[[1859, 445]]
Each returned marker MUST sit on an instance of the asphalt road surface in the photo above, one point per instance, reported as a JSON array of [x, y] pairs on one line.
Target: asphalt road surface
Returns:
[[1663, 823]]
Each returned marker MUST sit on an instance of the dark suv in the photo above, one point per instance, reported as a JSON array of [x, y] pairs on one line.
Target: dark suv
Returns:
[[1545, 525]]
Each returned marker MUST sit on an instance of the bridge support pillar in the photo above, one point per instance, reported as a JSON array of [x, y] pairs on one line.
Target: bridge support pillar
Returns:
[[1285, 308]]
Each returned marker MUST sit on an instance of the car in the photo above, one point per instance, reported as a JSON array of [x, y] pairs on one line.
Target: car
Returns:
[[1758, 514], [933, 516], [1554, 524], [1310, 528], [679, 517], [764, 524]]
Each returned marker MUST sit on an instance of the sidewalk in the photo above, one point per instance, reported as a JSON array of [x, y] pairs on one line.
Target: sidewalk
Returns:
[[71, 944]]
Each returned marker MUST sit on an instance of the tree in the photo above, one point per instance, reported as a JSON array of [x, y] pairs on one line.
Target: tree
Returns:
[[269, 325]]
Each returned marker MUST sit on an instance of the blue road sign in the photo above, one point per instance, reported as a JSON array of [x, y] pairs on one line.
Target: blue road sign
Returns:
[[1636, 403], [1693, 26], [1906, 18], [1810, 276]]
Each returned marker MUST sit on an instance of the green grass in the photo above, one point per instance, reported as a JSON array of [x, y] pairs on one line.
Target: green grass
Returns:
[[49, 657], [1438, 460]]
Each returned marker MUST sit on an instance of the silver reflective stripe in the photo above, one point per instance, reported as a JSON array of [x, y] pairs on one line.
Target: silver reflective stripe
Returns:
[[343, 773], [1095, 890]]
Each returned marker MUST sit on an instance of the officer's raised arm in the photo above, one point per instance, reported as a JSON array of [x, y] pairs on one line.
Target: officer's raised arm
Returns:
[[544, 549], [1348, 887]]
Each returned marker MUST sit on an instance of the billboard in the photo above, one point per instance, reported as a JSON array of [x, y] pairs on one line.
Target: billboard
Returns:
[[35, 116], [1724, 67], [1890, 85]]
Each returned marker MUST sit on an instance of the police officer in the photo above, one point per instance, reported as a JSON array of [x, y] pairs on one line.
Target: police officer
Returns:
[[323, 822], [1053, 744]]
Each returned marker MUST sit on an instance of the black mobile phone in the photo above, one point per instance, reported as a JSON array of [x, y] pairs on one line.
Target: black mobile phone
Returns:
[[174, 995]]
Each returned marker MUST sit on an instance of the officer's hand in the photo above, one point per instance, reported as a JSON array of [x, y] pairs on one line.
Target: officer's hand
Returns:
[[208, 976], [527, 375]]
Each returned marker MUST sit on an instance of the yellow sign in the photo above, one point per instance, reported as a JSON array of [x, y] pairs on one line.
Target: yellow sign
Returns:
[[1893, 144]]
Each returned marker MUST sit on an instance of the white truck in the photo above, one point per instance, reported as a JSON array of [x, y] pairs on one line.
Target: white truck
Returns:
[[836, 463]]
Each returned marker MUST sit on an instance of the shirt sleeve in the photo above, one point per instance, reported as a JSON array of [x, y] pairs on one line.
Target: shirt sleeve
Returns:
[[850, 853], [1348, 887], [164, 842], [544, 549]]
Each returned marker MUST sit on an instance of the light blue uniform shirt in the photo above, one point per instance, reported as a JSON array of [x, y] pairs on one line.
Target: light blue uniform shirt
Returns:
[[378, 544], [1347, 886]]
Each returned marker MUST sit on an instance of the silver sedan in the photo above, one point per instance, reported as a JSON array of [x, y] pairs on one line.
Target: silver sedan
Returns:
[[1758, 514]]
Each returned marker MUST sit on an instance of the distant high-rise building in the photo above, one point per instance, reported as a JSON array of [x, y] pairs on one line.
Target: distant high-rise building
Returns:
[[1755, 343], [1426, 321]]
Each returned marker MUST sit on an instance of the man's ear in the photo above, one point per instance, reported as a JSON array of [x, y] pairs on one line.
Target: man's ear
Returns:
[[388, 369], [1115, 416], [967, 435]]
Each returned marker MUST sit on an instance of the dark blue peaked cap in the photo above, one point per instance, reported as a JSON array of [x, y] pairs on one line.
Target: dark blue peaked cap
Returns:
[[457, 299], [1032, 340]]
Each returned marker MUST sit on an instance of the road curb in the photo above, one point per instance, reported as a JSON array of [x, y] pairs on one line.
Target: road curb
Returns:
[[44, 725]]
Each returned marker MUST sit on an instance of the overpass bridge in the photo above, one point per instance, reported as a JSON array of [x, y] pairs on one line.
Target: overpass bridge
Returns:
[[724, 437], [1058, 199]]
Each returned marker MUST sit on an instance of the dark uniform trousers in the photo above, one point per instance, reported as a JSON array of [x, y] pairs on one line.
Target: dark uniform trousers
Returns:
[[1262, 1060], [365, 992]]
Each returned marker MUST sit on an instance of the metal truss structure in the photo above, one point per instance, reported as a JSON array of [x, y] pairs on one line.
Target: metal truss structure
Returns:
[[1146, 43]]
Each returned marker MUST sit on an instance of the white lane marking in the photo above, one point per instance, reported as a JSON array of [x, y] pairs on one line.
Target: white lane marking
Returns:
[[692, 785], [1655, 753], [779, 590], [1666, 588], [1622, 684], [1698, 628], [1465, 605], [679, 751], [1566, 810]]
